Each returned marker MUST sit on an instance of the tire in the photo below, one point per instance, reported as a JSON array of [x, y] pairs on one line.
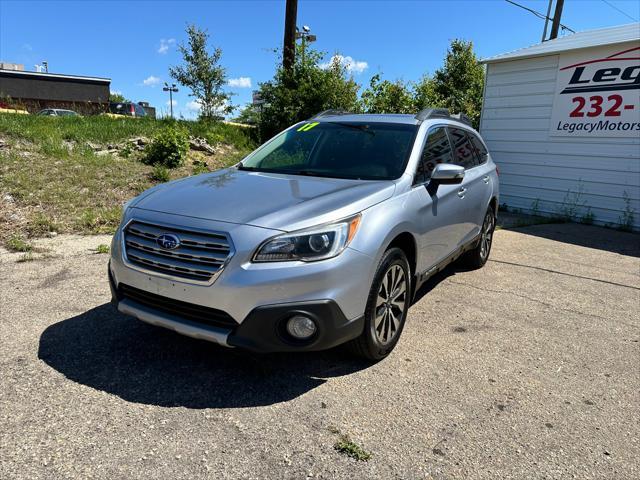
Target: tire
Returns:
[[477, 257], [385, 317]]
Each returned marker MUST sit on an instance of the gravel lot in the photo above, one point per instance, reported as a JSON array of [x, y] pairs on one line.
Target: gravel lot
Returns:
[[529, 368]]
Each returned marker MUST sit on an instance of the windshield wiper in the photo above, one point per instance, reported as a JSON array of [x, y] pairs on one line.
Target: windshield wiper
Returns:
[[249, 169], [310, 173], [362, 128]]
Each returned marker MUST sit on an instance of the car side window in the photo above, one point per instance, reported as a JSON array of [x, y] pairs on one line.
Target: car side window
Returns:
[[436, 150], [463, 150], [481, 150]]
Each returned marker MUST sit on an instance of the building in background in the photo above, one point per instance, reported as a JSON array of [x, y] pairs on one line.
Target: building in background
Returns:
[[35, 91], [12, 66], [562, 122]]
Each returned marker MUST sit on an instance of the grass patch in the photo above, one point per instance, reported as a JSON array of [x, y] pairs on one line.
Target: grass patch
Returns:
[[160, 174], [102, 248], [59, 184], [27, 257], [51, 132], [348, 447], [16, 243]]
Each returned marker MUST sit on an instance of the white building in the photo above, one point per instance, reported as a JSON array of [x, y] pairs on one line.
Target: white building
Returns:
[[562, 121]]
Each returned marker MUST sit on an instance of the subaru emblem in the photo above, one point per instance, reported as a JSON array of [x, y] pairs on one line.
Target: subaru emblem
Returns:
[[168, 241]]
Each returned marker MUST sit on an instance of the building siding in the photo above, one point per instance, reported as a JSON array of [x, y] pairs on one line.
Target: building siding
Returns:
[[552, 175], [37, 92]]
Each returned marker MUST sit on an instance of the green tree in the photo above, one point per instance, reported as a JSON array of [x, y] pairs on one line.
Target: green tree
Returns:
[[425, 94], [384, 96], [203, 74], [310, 87], [459, 84], [118, 98], [249, 115]]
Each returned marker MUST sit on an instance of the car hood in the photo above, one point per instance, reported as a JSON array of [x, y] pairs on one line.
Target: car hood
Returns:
[[275, 201]]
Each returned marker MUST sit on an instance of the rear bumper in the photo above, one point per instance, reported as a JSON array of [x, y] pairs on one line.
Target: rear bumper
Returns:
[[261, 331]]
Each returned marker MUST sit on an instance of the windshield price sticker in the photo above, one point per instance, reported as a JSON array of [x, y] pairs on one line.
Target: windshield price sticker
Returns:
[[598, 94]]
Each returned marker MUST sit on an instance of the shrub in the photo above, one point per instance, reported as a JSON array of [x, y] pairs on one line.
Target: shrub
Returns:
[[18, 244], [168, 148], [160, 173]]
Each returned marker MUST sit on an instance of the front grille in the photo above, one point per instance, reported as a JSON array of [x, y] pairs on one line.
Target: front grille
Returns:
[[198, 257], [188, 311]]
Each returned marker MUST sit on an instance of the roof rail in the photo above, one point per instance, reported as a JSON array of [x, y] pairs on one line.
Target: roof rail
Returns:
[[330, 112], [461, 117], [432, 113]]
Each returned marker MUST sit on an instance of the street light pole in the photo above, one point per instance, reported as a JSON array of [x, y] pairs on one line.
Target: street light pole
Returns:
[[170, 89], [305, 36]]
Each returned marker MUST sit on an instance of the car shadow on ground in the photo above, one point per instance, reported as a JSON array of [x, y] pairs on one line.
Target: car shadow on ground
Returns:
[[108, 351], [590, 236]]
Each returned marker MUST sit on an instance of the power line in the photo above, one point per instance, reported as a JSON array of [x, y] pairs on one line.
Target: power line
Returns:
[[538, 14], [621, 11]]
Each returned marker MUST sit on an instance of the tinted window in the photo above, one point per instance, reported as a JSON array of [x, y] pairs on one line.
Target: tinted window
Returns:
[[368, 151], [436, 150], [140, 111], [481, 150], [463, 151], [117, 108]]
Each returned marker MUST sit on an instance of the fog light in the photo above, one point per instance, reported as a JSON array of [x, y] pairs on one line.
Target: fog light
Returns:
[[301, 327]]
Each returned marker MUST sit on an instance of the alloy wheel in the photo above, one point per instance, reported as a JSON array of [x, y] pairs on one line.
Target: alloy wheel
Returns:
[[390, 304], [487, 235]]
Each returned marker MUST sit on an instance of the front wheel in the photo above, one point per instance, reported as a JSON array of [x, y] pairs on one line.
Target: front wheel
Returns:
[[387, 305], [477, 257]]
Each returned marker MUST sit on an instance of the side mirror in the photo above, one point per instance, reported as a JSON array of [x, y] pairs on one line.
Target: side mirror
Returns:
[[447, 174]]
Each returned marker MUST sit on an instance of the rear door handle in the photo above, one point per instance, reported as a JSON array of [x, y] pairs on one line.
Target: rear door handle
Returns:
[[485, 179], [461, 192]]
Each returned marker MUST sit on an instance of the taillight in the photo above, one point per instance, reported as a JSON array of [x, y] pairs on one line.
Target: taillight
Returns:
[[497, 170], [133, 110]]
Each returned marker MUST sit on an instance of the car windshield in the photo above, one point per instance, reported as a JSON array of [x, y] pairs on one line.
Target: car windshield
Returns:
[[358, 150]]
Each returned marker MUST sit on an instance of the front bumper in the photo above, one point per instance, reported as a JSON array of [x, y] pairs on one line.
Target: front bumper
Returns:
[[248, 301], [262, 331]]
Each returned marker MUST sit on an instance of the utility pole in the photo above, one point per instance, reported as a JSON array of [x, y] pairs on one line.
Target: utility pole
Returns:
[[170, 89], [546, 21], [289, 49], [555, 26]]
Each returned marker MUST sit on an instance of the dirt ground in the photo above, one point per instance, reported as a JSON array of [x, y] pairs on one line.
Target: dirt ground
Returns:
[[528, 368]]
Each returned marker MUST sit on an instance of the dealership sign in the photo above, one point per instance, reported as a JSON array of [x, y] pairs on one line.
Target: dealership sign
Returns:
[[598, 94]]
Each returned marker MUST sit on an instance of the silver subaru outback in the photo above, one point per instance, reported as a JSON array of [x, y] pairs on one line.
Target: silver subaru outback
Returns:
[[319, 237]]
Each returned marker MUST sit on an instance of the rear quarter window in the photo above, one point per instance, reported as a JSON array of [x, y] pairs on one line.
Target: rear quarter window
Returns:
[[481, 150], [464, 153]]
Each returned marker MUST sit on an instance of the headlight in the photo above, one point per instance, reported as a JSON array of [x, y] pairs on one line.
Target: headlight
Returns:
[[317, 243]]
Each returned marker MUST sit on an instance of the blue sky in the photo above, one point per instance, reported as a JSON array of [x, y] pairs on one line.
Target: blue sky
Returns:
[[134, 42]]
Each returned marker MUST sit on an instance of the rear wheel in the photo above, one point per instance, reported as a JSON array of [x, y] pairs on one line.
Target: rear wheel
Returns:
[[477, 257], [387, 305]]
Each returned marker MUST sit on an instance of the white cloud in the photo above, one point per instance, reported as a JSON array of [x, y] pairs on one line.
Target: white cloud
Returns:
[[175, 102], [240, 82], [193, 105], [353, 66], [165, 44], [116, 92], [150, 81]]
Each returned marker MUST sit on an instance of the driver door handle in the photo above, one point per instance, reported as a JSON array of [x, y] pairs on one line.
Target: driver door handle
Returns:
[[485, 179], [461, 192]]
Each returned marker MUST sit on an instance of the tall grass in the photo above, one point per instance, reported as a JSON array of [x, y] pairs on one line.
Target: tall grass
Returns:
[[52, 131], [58, 183]]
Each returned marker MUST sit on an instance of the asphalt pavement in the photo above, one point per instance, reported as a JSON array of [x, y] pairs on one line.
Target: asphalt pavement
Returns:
[[527, 368]]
